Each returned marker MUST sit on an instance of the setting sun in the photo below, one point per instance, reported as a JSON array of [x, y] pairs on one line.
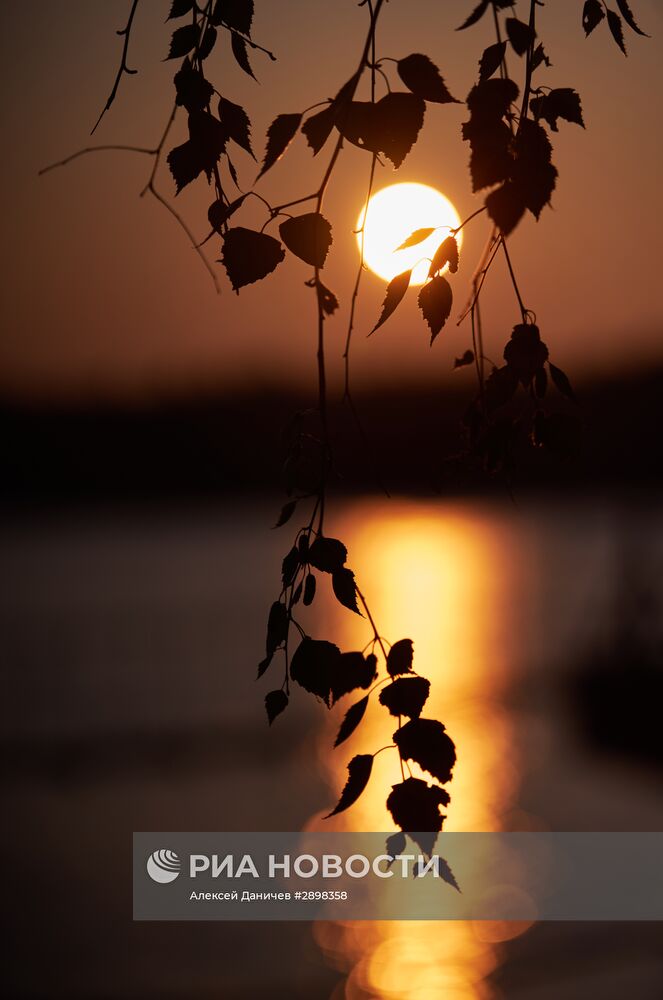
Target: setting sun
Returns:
[[392, 215]]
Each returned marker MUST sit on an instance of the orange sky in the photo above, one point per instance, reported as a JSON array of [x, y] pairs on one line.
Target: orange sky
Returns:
[[102, 295]]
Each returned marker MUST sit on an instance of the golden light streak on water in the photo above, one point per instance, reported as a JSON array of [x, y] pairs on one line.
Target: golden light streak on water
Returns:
[[440, 575]]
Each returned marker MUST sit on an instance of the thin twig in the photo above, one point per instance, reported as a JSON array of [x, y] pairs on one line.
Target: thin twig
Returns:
[[479, 277], [528, 66], [159, 149], [150, 186], [178, 218], [249, 41], [347, 394], [523, 311], [96, 149], [126, 31]]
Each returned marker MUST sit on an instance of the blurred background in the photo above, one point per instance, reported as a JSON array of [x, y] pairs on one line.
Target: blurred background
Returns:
[[140, 458]]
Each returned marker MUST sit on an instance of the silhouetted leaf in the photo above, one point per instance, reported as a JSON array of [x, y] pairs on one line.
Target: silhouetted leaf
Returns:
[[231, 170], [206, 143], [208, 132], [218, 213], [314, 663], [489, 135], [327, 554], [615, 25], [418, 236], [184, 163], [192, 90], [359, 772], [287, 511], [491, 158], [520, 35], [500, 387], [277, 627], [327, 299], [492, 98], [236, 124], [290, 566], [353, 717], [399, 658], [475, 16], [263, 665], [249, 256], [236, 14], [279, 136], [318, 127], [506, 207], [394, 846], [402, 116], [446, 873], [425, 741], [422, 77], [200, 153], [308, 237], [592, 15], [207, 43], [415, 807], [491, 60], [465, 359], [539, 56], [563, 102], [435, 300], [525, 352], [345, 589], [405, 696], [446, 253], [309, 590], [320, 668], [275, 703], [182, 41], [396, 290], [533, 174], [627, 14], [391, 126], [179, 8], [354, 670], [240, 52], [561, 381]]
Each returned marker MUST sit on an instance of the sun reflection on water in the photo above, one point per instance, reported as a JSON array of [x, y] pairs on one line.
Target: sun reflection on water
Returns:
[[439, 575]]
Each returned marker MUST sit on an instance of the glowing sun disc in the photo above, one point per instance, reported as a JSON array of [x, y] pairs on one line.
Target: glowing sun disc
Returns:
[[392, 215]]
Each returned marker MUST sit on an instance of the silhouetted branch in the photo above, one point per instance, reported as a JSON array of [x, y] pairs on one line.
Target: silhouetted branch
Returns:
[[480, 274], [126, 31], [178, 218], [96, 149], [149, 187], [158, 151], [528, 65], [523, 310]]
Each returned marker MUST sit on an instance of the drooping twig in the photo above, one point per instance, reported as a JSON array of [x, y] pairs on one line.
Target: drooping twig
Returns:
[[150, 188], [126, 32]]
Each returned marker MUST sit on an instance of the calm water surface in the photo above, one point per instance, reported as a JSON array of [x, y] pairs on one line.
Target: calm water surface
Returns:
[[131, 644]]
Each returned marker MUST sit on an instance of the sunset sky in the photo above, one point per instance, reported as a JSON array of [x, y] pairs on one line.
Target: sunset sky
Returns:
[[103, 296]]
